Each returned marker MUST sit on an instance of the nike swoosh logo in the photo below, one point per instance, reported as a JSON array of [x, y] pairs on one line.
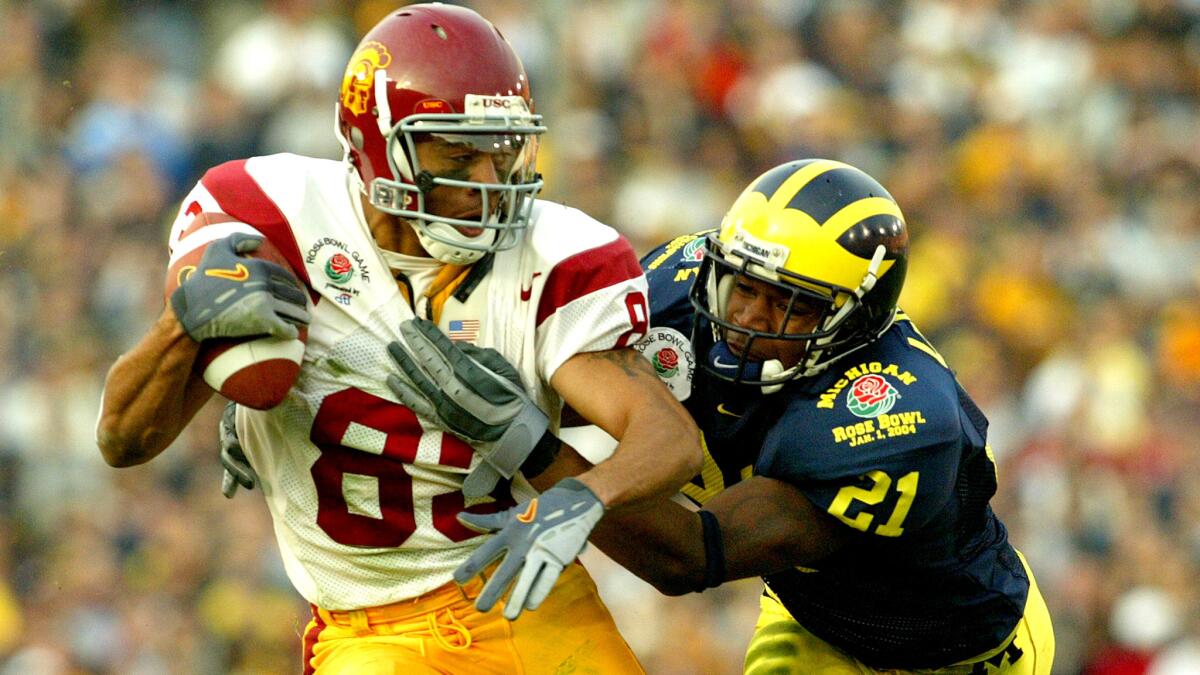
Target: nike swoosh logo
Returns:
[[530, 512], [725, 411], [184, 273], [527, 292], [718, 363], [239, 273]]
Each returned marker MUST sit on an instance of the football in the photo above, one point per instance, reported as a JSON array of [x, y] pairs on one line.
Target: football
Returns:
[[256, 372]]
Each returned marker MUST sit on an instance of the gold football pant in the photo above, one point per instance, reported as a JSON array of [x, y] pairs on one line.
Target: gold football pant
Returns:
[[781, 646], [442, 632]]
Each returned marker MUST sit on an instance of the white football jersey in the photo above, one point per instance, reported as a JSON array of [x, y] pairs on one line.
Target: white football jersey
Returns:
[[364, 493]]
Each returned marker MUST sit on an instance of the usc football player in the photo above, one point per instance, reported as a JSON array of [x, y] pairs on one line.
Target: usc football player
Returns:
[[433, 213]]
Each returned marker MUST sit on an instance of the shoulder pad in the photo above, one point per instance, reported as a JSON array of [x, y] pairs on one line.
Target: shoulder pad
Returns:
[[558, 232], [670, 270]]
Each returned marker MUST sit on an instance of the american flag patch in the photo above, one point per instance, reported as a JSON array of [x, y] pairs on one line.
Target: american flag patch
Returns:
[[465, 330]]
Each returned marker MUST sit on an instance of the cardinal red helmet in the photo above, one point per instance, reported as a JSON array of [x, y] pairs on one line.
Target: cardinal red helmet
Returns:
[[440, 70]]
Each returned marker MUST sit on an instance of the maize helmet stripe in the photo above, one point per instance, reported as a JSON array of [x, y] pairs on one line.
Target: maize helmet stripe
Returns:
[[853, 213], [866, 223], [800, 179], [825, 194], [768, 183]]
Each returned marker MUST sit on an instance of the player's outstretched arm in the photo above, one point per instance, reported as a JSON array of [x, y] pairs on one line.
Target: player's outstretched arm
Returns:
[[756, 527], [760, 526]]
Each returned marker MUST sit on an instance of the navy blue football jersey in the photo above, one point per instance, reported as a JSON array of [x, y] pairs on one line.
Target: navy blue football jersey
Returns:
[[886, 442]]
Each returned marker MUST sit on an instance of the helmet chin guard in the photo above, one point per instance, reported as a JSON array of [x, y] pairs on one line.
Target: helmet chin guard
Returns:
[[769, 374], [437, 238]]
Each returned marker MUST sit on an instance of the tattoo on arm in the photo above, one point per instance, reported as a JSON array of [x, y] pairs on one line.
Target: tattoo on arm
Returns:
[[629, 360]]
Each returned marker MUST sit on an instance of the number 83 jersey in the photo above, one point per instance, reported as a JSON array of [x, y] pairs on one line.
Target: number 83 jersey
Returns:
[[362, 492], [887, 443]]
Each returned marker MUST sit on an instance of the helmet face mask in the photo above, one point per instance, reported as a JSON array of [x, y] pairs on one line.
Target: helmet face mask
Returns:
[[441, 72], [831, 242], [505, 206]]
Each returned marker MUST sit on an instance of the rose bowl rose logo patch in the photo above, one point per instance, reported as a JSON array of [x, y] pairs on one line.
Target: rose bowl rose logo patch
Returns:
[[871, 396], [666, 362], [339, 268], [670, 352], [694, 250]]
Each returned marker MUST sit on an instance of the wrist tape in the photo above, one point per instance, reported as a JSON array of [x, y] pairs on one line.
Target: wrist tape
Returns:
[[714, 551]]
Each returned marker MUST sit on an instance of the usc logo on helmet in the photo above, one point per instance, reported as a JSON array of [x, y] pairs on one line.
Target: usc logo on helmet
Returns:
[[360, 76], [433, 105]]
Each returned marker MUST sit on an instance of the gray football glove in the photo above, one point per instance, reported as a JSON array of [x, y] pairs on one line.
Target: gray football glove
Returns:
[[537, 541], [230, 295], [476, 395], [237, 468]]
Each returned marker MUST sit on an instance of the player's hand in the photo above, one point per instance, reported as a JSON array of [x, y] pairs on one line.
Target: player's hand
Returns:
[[237, 468], [474, 394], [231, 295], [537, 541]]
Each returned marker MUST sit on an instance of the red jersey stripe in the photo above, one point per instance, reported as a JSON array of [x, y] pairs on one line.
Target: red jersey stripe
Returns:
[[241, 197], [587, 272]]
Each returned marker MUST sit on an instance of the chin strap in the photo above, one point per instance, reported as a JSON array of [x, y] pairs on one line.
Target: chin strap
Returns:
[[811, 365], [773, 371]]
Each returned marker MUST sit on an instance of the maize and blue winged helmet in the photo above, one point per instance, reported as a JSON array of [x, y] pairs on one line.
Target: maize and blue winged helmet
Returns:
[[822, 231]]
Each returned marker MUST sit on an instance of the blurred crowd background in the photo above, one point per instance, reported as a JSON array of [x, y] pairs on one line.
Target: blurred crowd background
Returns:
[[1046, 154]]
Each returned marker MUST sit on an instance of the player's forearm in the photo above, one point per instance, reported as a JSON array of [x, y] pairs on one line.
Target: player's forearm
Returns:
[[567, 463], [149, 395], [653, 458], [659, 540], [764, 526], [659, 444]]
